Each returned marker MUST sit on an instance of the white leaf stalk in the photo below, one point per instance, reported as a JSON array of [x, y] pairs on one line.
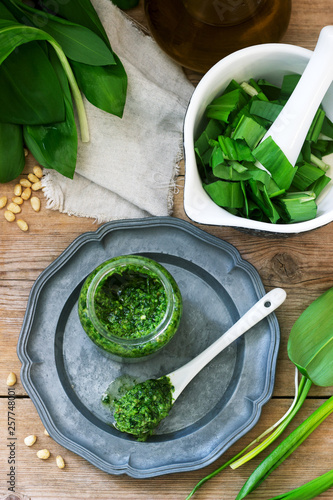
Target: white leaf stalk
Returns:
[[83, 122]]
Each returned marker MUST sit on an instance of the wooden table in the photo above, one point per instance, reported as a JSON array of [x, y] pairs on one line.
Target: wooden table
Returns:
[[300, 264]]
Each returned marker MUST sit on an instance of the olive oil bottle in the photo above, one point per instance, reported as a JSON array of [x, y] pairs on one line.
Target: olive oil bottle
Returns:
[[198, 33]]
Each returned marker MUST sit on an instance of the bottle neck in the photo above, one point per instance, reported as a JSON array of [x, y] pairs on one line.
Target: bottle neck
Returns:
[[222, 12]]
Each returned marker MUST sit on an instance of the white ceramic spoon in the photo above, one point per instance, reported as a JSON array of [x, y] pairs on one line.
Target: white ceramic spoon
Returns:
[[290, 128], [267, 304]]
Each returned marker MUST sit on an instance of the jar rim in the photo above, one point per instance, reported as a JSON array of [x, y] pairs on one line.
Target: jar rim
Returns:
[[111, 267]]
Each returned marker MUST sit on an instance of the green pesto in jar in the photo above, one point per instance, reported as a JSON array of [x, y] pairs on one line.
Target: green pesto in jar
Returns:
[[130, 306], [143, 407], [130, 303]]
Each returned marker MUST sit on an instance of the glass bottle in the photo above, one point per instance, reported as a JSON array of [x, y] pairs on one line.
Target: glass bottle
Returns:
[[198, 33]]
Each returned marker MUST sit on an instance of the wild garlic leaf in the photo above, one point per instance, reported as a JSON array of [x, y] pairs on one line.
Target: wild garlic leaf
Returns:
[[78, 42], [80, 12], [30, 92], [55, 146], [104, 86], [11, 151], [310, 345]]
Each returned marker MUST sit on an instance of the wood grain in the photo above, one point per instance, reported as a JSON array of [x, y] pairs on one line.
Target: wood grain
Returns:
[[42, 480], [301, 264]]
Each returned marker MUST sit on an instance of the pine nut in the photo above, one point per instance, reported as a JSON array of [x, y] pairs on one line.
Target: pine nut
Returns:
[[11, 379], [43, 454], [33, 178], [30, 440], [46, 433], [14, 207], [9, 216], [22, 225], [25, 183], [26, 152], [26, 193], [37, 186], [60, 462], [35, 203], [3, 201], [18, 200], [38, 171], [17, 189]]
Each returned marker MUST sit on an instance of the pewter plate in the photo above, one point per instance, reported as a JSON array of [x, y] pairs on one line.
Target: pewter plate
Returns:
[[65, 374]]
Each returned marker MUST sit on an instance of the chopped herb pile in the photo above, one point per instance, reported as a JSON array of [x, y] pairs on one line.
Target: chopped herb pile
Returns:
[[129, 303], [230, 145], [143, 407]]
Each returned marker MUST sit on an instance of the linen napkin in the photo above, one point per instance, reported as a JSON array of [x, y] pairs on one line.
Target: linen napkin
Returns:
[[128, 168]]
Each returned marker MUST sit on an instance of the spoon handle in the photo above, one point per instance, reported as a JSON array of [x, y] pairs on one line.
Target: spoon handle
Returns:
[[291, 126], [267, 304]]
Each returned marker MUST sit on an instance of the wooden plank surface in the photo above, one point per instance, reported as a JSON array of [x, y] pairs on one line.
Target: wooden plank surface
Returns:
[[300, 264]]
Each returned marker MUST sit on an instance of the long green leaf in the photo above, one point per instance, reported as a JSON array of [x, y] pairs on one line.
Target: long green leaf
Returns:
[[78, 42], [310, 344], [30, 92], [309, 490], [11, 151], [104, 86], [55, 146], [80, 12]]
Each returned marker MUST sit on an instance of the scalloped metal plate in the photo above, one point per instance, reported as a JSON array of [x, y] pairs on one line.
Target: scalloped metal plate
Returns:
[[65, 374]]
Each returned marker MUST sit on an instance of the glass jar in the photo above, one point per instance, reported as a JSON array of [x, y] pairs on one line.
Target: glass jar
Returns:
[[198, 33], [130, 306]]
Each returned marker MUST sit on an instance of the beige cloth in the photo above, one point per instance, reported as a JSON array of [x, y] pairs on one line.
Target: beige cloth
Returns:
[[128, 168]]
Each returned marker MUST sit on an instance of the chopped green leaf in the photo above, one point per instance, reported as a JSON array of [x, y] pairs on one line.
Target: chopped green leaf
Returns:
[[305, 176], [226, 194], [327, 127], [297, 207], [216, 158], [316, 126], [234, 149], [274, 160], [288, 85], [319, 185], [249, 130], [271, 91], [202, 143], [268, 110], [222, 107], [229, 173]]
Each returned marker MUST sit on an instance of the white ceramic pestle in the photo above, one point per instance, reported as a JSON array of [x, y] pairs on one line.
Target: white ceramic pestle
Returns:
[[290, 128]]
